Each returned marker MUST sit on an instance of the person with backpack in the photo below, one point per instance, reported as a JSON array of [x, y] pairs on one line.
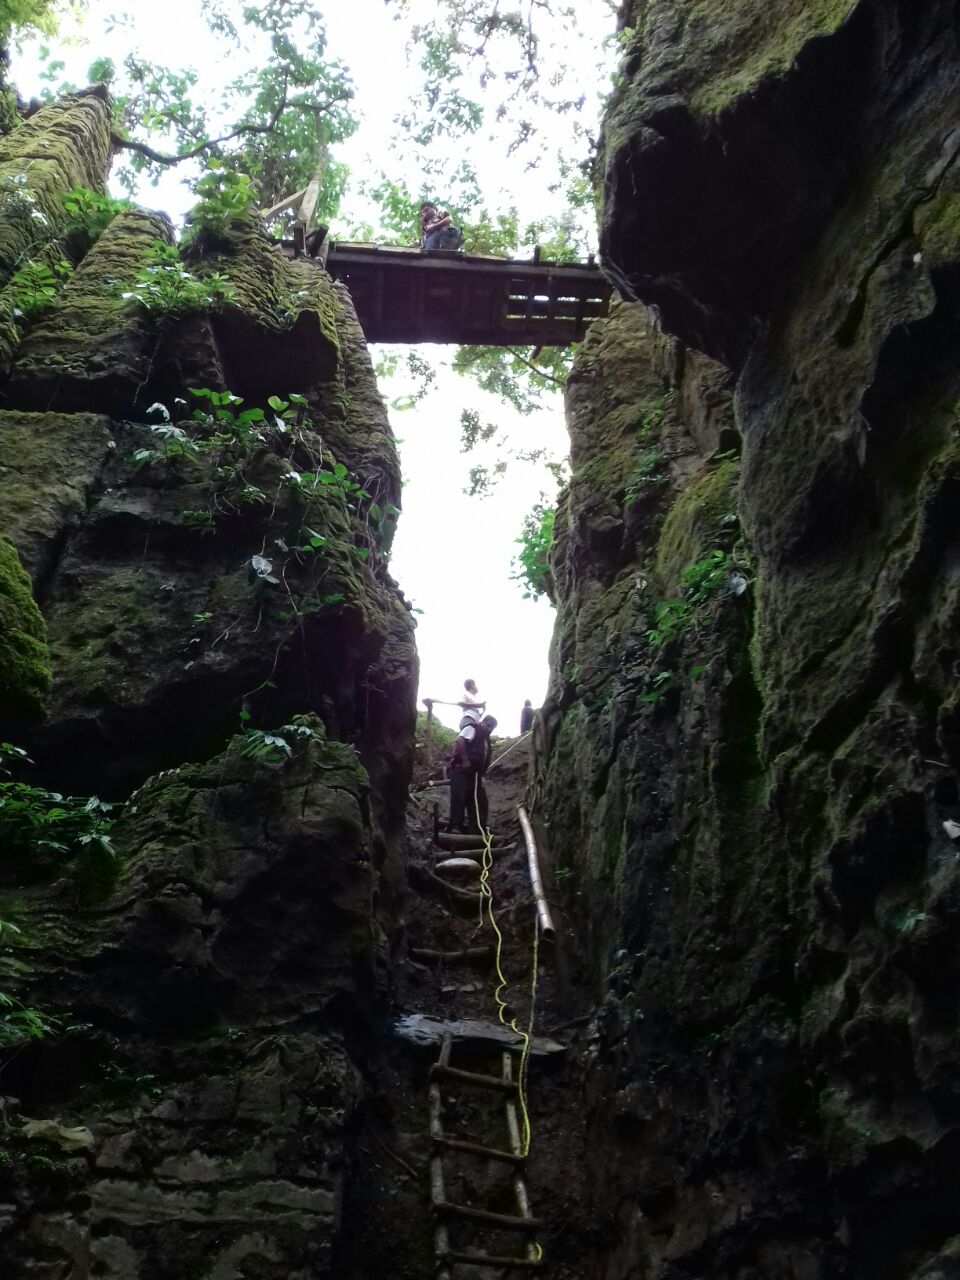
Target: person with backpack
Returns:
[[471, 760], [437, 230]]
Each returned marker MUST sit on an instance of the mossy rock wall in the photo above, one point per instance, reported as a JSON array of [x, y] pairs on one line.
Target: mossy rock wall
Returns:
[[24, 661], [756, 127], [64, 144], [754, 807], [91, 351], [240, 952]]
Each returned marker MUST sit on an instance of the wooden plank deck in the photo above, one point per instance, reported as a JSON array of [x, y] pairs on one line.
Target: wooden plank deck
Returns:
[[411, 295]]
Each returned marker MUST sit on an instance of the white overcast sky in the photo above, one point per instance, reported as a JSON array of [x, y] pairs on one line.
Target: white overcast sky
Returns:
[[453, 555]]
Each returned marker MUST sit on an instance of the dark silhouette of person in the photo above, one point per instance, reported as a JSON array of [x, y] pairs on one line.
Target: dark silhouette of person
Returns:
[[471, 760], [526, 717]]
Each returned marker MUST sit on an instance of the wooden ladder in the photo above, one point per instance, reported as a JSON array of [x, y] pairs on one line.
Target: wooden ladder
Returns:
[[522, 1222]]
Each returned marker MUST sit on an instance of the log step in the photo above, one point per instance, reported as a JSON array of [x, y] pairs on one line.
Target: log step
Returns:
[[505, 1221], [478, 1149], [479, 1079], [490, 1260], [467, 955], [457, 840]]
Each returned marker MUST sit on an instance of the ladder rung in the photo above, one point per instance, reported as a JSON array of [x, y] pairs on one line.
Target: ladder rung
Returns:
[[489, 1260], [471, 1077], [467, 955], [505, 1221], [478, 1149]]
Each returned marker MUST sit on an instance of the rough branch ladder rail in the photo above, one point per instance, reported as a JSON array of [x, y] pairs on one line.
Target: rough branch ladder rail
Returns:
[[414, 295]]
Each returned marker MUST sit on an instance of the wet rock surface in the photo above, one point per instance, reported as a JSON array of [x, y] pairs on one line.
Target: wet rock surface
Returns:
[[223, 655], [746, 776]]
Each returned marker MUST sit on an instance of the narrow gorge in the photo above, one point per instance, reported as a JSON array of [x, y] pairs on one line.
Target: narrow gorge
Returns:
[[744, 778]]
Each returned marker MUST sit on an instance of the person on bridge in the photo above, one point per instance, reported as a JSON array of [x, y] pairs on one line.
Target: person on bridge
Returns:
[[526, 716], [471, 760], [437, 230]]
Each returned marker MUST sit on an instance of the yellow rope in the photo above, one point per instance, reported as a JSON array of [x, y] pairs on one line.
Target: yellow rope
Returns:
[[486, 899]]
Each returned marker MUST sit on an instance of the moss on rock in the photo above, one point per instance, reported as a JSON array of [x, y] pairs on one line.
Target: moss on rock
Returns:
[[694, 521], [281, 327], [753, 40], [65, 144], [90, 351], [44, 496], [24, 661]]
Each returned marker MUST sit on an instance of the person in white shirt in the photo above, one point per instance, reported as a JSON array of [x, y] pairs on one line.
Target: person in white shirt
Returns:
[[471, 704]]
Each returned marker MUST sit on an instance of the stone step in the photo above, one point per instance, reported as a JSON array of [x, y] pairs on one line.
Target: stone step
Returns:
[[459, 868], [427, 1032]]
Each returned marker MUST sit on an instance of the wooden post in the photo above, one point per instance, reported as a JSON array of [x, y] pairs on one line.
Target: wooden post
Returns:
[[428, 703]]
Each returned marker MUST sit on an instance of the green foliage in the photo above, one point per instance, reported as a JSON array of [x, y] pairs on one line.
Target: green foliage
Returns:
[[166, 289], [706, 576], [226, 198], [32, 290], [42, 831], [89, 213], [442, 738], [24, 661], [16, 15], [20, 1024], [647, 472], [511, 373], [281, 117], [473, 431], [699, 581], [533, 560], [275, 746]]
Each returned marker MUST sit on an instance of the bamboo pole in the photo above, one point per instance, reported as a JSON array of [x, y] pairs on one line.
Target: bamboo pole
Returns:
[[288, 203], [547, 930], [428, 703], [516, 1146]]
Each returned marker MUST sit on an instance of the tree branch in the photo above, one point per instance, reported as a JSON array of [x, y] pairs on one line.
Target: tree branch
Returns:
[[241, 131], [548, 377]]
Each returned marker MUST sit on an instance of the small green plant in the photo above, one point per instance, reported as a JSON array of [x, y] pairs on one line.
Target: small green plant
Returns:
[[44, 830], [672, 619], [89, 213], [532, 563], [20, 1023], [225, 197], [33, 289], [706, 576], [166, 289], [274, 746], [647, 472], [660, 686], [197, 519], [127, 1082], [173, 445]]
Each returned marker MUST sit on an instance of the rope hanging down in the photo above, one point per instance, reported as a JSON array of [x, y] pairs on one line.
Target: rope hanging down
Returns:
[[526, 1034]]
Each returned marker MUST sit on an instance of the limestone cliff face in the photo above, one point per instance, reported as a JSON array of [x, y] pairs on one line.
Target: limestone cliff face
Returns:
[[196, 583], [750, 776]]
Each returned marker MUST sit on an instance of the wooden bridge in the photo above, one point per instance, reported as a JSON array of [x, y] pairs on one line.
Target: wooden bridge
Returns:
[[414, 295]]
